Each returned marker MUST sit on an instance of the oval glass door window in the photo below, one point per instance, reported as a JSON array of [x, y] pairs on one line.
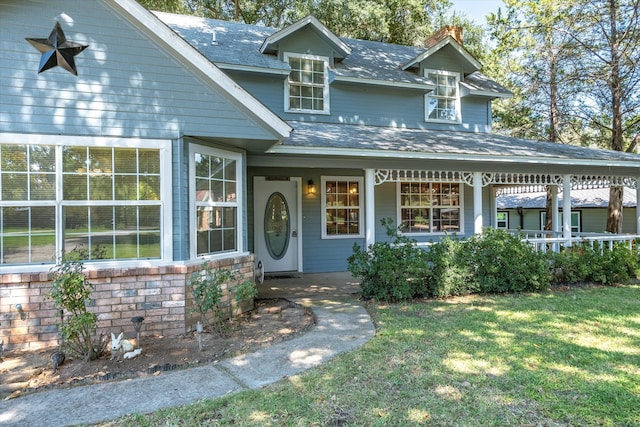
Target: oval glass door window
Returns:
[[277, 225]]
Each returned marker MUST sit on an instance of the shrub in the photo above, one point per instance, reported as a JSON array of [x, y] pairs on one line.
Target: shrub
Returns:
[[207, 292], [496, 261], [587, 262], [391, 271], [70, 292]]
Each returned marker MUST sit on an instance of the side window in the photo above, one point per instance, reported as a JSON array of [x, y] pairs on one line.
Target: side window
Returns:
[[576, 220], [342, 207], [215, 200], [443, 104], [307, 87]]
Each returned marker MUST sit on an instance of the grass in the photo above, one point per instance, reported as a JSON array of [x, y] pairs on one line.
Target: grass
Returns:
[[562, 358]]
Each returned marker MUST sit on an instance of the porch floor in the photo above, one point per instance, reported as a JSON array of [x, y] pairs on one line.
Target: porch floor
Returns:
[[300, 286]]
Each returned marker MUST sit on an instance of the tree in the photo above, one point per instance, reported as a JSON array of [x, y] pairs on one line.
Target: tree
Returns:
[[609, 35], [592, 83], [530, 32]]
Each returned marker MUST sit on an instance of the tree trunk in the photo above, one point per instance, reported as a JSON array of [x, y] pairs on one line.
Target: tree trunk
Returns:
[[614, 219]]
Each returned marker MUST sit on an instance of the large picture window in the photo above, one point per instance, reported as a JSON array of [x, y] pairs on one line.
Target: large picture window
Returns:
[[430, 207], [443, 104], [216, 199], [93, 203], [342, 206], [307, 88]]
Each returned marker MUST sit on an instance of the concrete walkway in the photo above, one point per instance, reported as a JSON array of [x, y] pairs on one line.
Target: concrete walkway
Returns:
[[342, 325]]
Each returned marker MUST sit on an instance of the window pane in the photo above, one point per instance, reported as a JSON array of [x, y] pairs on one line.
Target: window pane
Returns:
[[14, 186], [74, 187], [149, 188], [126, 187], [14, 158], [74, 159], [42, 186], [149, 161], [76, 229], [100, 160], [150, 218], [125, 160], [217, 168], [42, 158], [100, 187]]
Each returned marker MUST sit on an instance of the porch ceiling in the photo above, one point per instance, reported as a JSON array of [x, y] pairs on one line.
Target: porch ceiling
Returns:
[[375, 142]]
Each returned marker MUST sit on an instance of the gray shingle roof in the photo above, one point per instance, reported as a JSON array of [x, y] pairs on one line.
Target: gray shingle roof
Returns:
[[425, 141], [239, 45]]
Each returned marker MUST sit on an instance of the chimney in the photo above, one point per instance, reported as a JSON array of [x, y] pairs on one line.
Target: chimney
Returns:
[[447, 30]]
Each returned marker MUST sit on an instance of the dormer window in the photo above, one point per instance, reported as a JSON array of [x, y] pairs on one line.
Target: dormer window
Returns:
[[443, 104], [307, 88]]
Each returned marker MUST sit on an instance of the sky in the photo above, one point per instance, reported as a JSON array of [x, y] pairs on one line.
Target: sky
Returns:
[[477, 9]]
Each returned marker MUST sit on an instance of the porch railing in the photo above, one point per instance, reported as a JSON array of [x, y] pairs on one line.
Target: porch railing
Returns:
[[543, 240]]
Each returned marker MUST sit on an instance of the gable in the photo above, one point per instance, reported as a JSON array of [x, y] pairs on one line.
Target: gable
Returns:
[[307, 24], [132, 79], [306, 41]]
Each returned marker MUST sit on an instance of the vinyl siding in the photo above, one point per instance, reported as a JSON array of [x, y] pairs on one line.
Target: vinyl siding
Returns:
[[126, 85], [326, 255]]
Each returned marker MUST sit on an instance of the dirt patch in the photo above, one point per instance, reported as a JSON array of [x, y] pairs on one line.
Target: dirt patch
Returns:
[[272, 321]]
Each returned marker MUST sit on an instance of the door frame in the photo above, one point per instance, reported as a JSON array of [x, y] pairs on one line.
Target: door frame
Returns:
[[298, 207]]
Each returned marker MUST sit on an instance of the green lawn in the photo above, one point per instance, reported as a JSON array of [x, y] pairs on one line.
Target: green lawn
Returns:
[[567, 358]]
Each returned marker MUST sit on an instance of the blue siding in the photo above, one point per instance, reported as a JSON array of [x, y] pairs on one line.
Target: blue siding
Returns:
[[126, 85]]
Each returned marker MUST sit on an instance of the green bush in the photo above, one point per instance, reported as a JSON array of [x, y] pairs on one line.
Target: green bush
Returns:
[[587, 262], [70, 293], [391, 271], [496, 261]]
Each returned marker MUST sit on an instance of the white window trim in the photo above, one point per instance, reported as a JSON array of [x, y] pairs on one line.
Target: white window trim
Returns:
[[427, 96], [60, 141], [430, 233], [577, 213], [239, 203], [360, 207], [325, 91]]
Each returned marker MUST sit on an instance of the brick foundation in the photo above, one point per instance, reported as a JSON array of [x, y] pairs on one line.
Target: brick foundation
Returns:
[[159, 294]]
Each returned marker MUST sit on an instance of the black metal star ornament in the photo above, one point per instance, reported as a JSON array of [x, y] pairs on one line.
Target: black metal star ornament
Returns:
[[56, 50]]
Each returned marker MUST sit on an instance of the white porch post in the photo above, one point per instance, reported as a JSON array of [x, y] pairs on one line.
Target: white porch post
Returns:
[[369, 206], [477, 202], [554, 209], [566, 209], [637, 207]]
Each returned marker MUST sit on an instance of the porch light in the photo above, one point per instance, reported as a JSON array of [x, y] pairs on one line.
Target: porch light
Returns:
[[311, 187]]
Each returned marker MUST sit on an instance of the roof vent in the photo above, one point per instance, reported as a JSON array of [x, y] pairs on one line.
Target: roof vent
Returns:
[[214, 39]]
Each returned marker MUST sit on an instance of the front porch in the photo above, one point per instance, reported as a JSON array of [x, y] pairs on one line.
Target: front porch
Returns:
[[561, 234]]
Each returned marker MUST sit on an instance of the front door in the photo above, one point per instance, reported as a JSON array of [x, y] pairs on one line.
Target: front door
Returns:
[[276, 223]]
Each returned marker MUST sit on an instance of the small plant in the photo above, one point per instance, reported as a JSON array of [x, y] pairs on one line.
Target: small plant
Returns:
[[206, 288], [70, 292], [245, 291]]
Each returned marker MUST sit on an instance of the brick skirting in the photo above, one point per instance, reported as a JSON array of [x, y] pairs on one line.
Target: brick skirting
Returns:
[[159, 294]]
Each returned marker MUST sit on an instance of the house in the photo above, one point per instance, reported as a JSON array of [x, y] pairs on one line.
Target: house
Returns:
[[589, 209], [153, 143]]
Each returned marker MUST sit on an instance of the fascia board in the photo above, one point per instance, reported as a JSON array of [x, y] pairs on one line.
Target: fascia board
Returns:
[[252, 69], [274, 38], [346, 152], [442, 43], [192, 58], [427, 87]]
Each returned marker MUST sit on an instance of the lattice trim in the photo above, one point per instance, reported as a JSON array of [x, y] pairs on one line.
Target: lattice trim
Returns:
[[530, 181]]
